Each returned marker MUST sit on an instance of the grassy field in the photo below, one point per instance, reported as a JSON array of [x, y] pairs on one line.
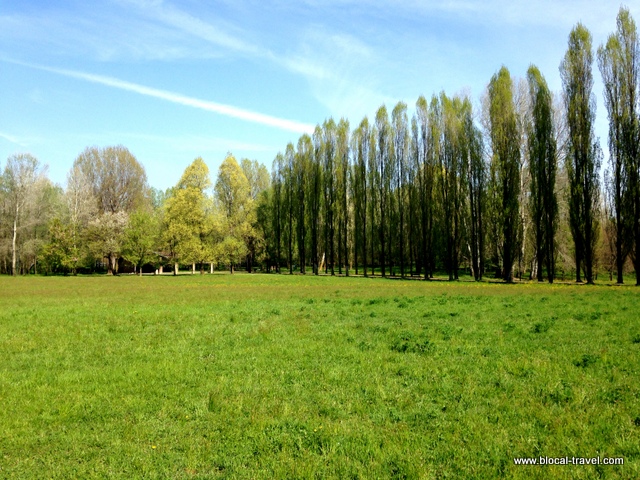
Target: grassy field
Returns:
[[265, 376]]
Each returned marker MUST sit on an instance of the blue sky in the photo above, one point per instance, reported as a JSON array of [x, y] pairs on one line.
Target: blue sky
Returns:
[[175, 80]]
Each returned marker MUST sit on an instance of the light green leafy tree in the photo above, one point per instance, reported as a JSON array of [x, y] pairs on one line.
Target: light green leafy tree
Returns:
[[61, 253], [237, 212], [141, 239], [187, 230]]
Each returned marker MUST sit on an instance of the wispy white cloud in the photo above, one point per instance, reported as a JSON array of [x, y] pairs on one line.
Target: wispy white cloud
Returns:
[[102, 33], [338, 66], [193, 26], [13, 139], [219, 108], [344, 72], [549, 13]]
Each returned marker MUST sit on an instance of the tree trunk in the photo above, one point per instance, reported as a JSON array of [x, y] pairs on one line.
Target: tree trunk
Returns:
[[175, 268], [13, 245], [110, 262]]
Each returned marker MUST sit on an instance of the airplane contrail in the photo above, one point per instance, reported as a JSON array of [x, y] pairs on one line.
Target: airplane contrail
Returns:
[[220, 108]]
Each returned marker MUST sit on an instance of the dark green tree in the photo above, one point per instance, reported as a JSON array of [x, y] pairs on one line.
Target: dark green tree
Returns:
[[542, 167], [619, 62], [583, 156]]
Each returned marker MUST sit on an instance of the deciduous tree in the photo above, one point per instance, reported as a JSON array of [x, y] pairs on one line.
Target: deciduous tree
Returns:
[[583, 157]]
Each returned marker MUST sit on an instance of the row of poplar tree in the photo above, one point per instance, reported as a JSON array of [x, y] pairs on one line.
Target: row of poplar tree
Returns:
[[516, 188]]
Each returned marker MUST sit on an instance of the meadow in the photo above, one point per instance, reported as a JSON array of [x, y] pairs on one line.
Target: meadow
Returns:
[[267, 376]]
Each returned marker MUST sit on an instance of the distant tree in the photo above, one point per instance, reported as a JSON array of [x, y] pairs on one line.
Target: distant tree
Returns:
[[259, 181], [185, 217], [383, 177], [342, 193], [360, 148], [289, 201], [543, 167], [118, 181], [477, 190], [619, 62], [453, 168], [329, 147], [425, 160], [257, 176], [400, 125], [506, 166], [314, 196], [21, 179], [81, 207], [105, 238], [61, 252], [583, 158], [233, 197], [301, 175], [141, 239], [231, 251], [277, 207]]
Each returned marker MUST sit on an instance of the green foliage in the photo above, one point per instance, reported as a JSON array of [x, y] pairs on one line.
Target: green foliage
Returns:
[[505, 167], [141, 239], [195, 176], [233, 196], [542, 167], [61, 253], [105, 237], [187, 226], [618, 60], [583, 156]]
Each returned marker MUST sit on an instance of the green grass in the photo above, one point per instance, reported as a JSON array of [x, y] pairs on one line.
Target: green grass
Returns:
[[266, 376]]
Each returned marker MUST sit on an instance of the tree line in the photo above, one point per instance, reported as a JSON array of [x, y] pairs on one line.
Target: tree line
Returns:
[[511, 189], [108, 216]]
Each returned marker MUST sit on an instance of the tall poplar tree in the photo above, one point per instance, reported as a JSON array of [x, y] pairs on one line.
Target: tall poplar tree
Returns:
[[619, 62], [289, 200], [426, 154], [477, 186], [360, 186], [329, 142], [384, 174], [277, 206], [543, 167], [302, 168], [400, 147], [506, 159], [583, 156], [315, 196], [342, 193]]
